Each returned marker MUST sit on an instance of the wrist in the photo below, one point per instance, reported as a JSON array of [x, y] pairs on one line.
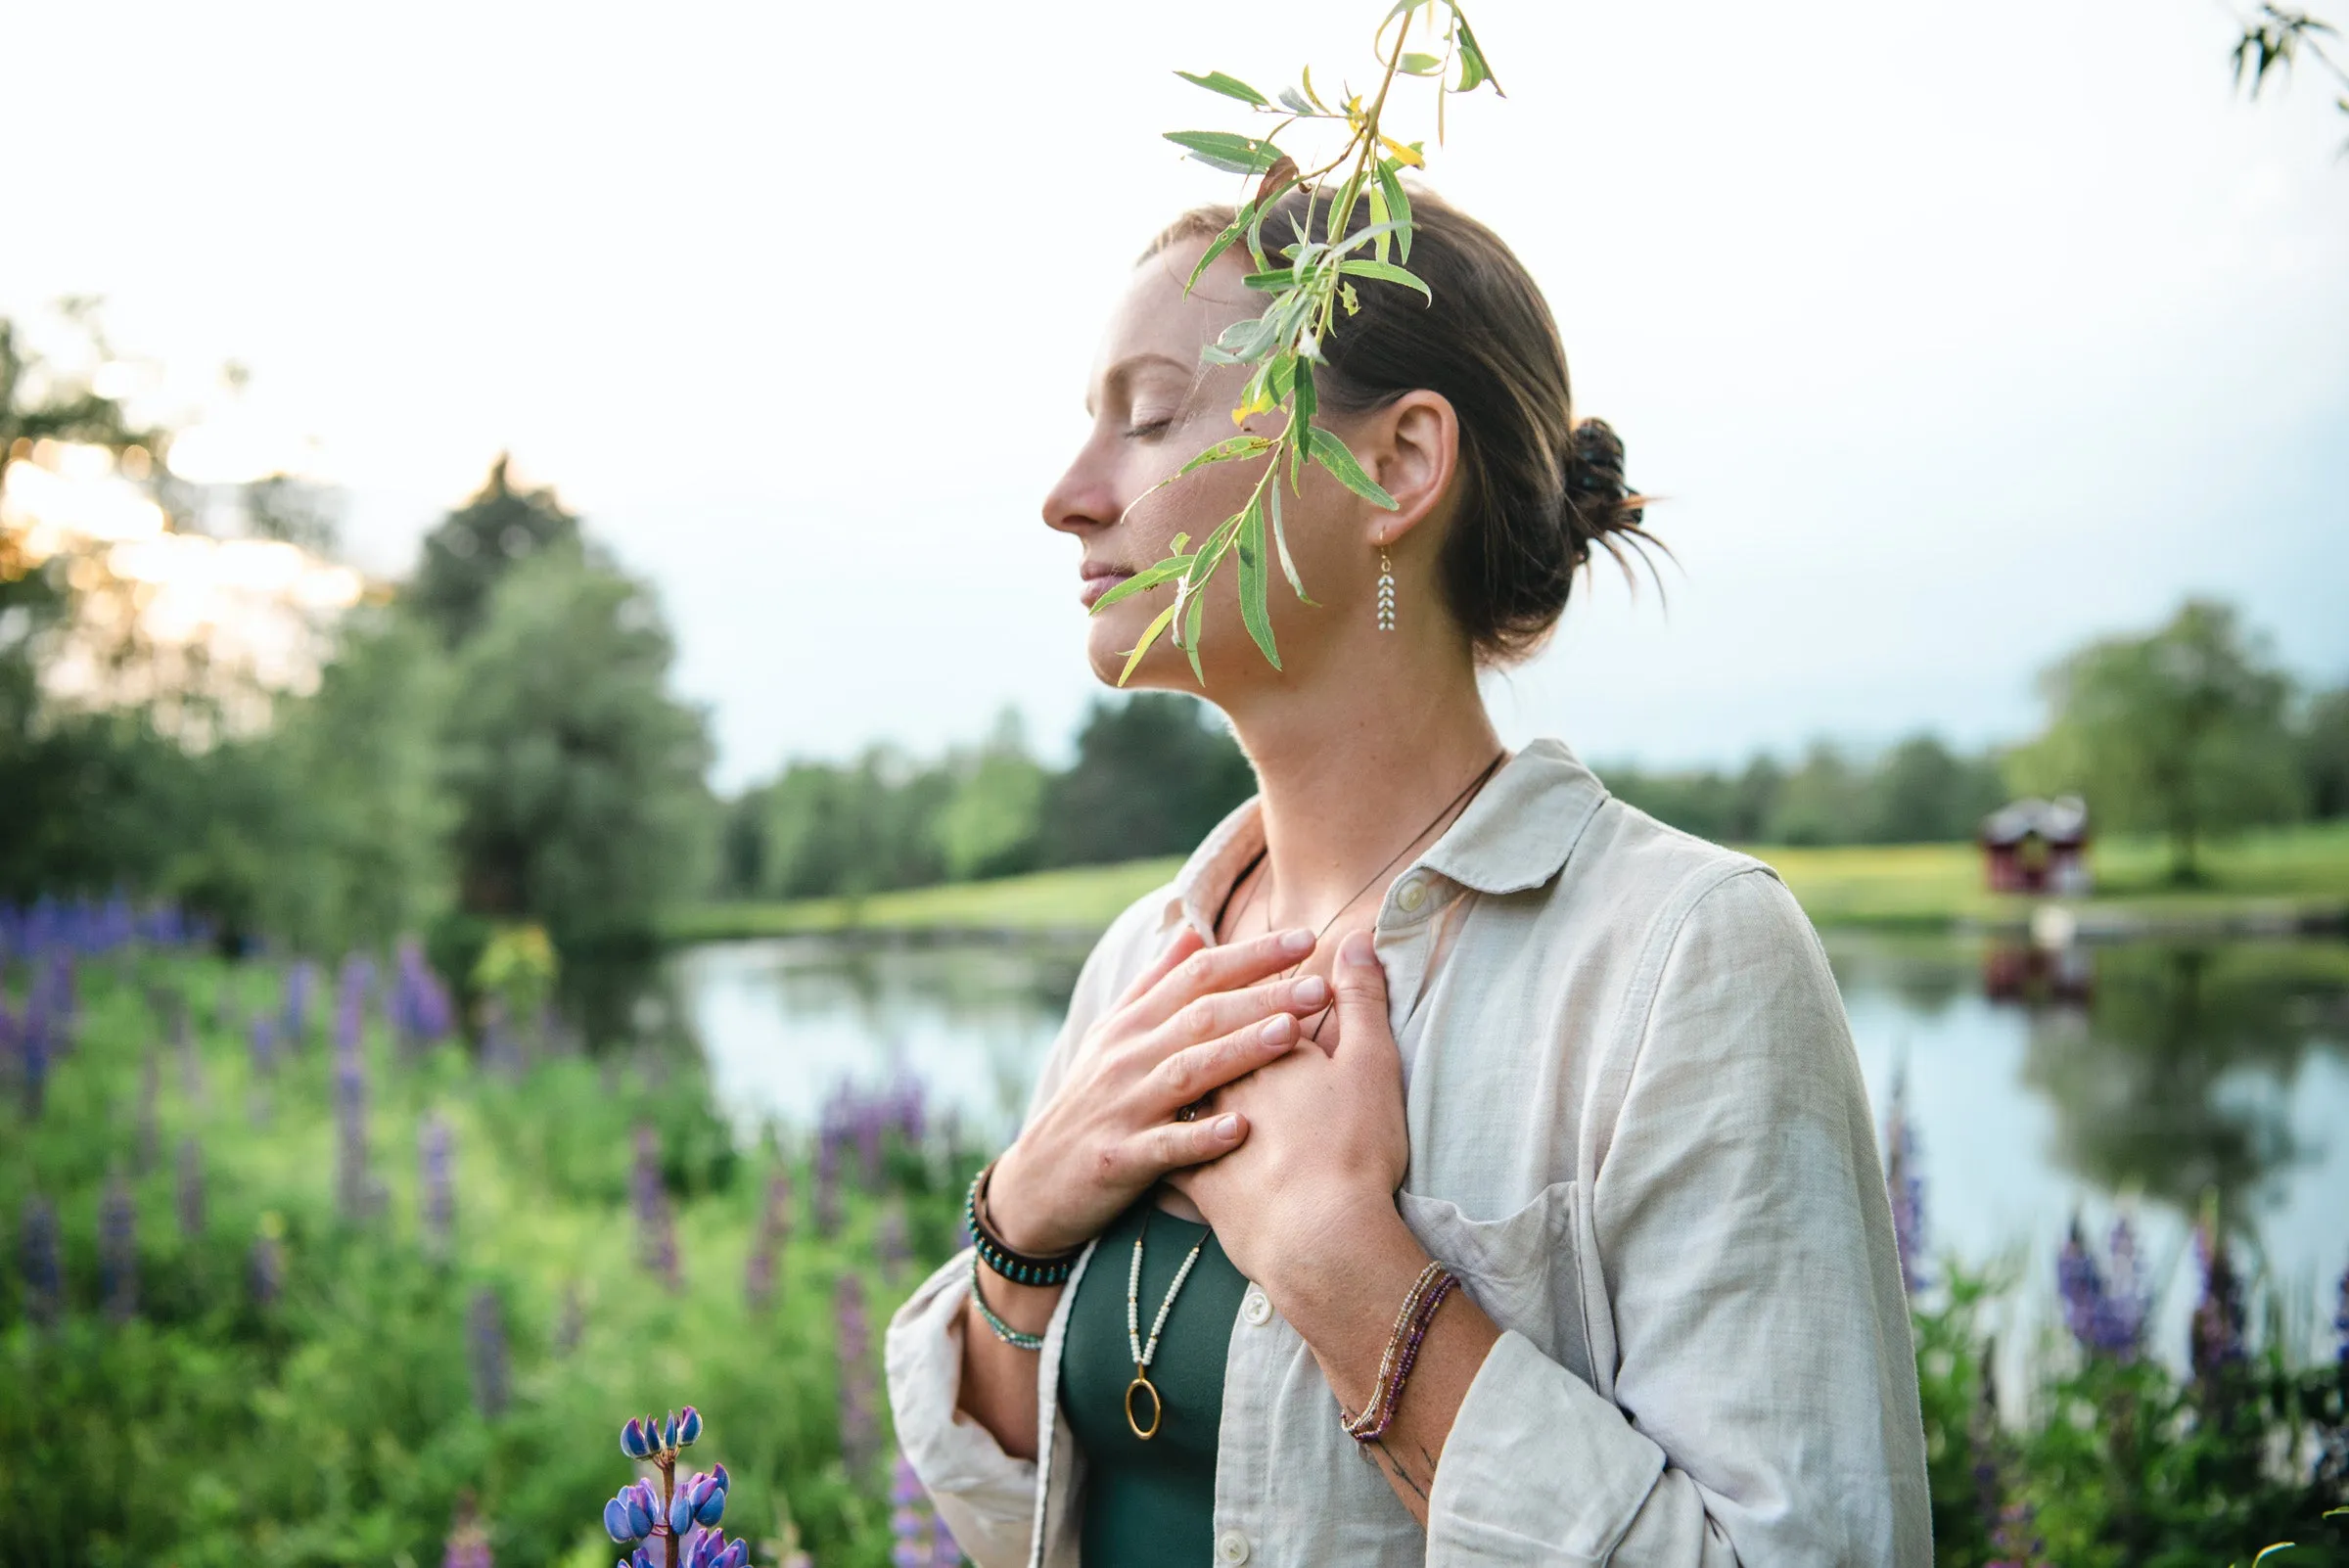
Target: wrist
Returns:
[[1345, 1266], [1013, 1218]]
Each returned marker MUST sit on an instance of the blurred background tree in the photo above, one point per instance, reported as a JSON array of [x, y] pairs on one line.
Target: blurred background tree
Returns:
[[475, 545], [2183, 732]]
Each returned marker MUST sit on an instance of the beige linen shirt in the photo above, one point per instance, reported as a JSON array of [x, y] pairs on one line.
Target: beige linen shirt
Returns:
[[1639, 1136]]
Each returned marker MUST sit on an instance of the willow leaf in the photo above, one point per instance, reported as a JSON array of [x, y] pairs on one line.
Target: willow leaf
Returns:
[[1226, 151], [1411, 65], [1190, 635], [1255, 612], [1388, 272], [1150, 635], [1143, 580], [1298, 102], [1381, 224], [1280, 543], [1215, 248], [1225, 452], [1214, 81], [1332, 453], [1399, 204], [1475, 71]]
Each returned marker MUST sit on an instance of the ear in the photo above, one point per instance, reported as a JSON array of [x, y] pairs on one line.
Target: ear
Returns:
[[1412, 447]]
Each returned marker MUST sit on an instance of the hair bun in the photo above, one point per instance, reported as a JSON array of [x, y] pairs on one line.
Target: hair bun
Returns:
[[1602, 500]]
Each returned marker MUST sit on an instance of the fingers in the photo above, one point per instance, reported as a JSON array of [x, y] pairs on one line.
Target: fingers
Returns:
[[1211, 969], [1187, 942], [1361, 984], [1174, 1144], [1223, 1012], [1188, 1073]]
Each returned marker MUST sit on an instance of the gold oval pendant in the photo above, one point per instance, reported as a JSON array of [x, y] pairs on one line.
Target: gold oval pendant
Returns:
[[1158, 1408]]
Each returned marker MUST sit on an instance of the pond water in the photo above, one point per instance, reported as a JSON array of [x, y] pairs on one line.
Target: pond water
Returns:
[[2093, 1080]]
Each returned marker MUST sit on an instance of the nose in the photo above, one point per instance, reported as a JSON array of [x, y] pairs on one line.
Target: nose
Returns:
[[1085, 497]]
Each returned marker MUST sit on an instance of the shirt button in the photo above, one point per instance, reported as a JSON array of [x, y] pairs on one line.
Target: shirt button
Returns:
[[1412, 896], [1256, 1308], [1231, 1547]]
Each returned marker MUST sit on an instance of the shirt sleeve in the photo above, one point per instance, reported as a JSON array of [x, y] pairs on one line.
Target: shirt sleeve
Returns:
[[1764, 1405], [985, 1497]]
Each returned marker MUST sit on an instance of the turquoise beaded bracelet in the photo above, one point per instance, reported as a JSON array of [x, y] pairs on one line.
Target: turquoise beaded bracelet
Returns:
[[1016, 1266], [1003, 1330]]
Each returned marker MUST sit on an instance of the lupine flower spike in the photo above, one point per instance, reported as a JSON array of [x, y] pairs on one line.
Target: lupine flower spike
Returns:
[[673, 1523]]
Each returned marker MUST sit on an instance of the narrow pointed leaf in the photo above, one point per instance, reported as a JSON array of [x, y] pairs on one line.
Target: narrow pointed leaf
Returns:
[[1388, 272], [1190, 635], [1280, 543], [1143, 580], [1224, 149], [1255, 613], [1214, 81], [1332, 453], [1399, 204], [1150, 635]]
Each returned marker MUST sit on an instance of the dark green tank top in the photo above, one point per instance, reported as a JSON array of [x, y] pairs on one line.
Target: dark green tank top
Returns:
[[1148, 1503]]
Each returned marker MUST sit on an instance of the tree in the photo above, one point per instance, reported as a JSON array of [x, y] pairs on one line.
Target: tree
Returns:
[[2325, 753], [1150, 778], [475, 547], [1822, 802], [991, 825], [575, 777], [1923, 792], [2182, 732]]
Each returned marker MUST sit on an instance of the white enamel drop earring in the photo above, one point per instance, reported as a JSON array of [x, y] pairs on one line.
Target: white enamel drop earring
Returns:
[[1386, 591]]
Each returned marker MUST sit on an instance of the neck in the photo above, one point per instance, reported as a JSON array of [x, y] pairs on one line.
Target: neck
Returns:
[[1351, 769]]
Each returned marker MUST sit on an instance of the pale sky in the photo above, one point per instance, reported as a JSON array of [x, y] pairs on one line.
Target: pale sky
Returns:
[[1954, 332]]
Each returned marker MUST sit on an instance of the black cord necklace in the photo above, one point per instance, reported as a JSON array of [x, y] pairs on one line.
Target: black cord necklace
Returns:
[[1264, 858]]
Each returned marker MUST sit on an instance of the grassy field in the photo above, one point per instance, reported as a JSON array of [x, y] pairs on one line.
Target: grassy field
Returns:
[[2277, 878]]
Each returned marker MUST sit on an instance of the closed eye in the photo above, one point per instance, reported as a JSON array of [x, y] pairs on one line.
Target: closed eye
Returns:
[[1147, 429]]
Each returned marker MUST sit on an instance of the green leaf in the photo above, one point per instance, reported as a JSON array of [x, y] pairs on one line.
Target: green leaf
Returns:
[[1191, 635], [1413, 64], [1207, 258], [1297, 102], [1308, 399], [1382, 226], [1475, 71], [1332, 453], [1388, 272], [1225, 452], [2265, 1552], [1369, 233], [1224, 149], [1281, 543], [1274, 281], [1144, 580], [1399, 204], [1255, 613], [1150, 635], [1214, 81]]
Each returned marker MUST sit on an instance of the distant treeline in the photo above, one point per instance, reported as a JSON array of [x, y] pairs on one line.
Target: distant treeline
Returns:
[[1919, 792], [1153, 773]]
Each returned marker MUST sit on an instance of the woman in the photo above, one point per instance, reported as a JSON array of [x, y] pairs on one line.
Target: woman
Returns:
[[1453, 1164]]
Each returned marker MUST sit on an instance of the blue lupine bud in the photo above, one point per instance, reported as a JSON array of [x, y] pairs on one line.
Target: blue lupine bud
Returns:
[[615, 1522], [633, 1442], [724, 1480], [712, 1504], [642, 1506], [680, 1510], [668, 1431], [689, 1427]]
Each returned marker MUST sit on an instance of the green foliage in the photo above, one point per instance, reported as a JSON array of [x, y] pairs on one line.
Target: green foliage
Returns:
[[477, 544], [575, 779], [1152, 775], [337, 1423], [1315, 278], [2183, 731], [2325, 753], [2275, 38], [1919, 792], [990, 826]]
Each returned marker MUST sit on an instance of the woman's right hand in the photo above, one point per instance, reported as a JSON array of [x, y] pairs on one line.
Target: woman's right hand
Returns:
[[1193, 1022]]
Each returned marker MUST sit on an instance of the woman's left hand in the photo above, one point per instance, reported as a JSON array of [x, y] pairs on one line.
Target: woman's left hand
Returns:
[[1327, 1143]]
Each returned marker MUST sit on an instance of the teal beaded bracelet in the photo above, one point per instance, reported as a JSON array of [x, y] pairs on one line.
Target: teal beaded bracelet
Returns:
[[1003, 1330], [1016, 1266]]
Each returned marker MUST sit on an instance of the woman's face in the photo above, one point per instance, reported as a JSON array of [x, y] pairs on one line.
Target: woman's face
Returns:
[[1154, 405]]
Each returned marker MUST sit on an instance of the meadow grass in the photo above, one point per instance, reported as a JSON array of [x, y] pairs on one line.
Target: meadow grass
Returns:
[[2275, 876]]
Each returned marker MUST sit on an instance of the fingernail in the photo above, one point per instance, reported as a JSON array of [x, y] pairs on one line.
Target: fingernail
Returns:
[[1359, 950], [1311, 991], [1297, 942], [1276, 1029], [1228, 1125]]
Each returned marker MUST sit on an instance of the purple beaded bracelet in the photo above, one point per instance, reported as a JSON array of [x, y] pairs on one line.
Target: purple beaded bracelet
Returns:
[[1402, 1352]]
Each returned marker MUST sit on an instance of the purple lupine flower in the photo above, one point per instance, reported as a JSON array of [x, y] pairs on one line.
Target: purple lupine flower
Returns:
[[262, 1037], [468, 1544], [438, 1187], [421, 1012], [570, 1321], [827, 1185], [944, 1551], [266, 1266], [760, 1274], [188, 1191], [485, 1352], [32, 1052], [354, 1190], [118, 1249], [909, 1519], [37, 1255], [656, 1225], [2217, 1348], [2105, 1305], [685, 1531], [890, 1244], [852, 1339], [302, 982], [1905, 1184]]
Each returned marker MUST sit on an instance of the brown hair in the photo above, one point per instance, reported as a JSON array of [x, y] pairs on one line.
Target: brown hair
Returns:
[[1538, 488]]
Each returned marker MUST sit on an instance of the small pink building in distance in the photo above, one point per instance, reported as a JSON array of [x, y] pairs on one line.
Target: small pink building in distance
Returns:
[[2035, 845]]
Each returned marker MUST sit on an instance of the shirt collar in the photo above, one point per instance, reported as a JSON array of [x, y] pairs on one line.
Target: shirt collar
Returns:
[[1515, 835]]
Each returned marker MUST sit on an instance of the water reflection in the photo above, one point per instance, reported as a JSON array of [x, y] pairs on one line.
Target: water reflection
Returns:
[[2132, 1074]]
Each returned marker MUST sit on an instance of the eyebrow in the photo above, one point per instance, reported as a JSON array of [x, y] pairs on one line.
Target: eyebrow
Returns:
[[1125, 369]]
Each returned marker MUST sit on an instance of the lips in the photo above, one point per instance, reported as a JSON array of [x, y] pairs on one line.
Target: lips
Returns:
[[1100, 577]]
